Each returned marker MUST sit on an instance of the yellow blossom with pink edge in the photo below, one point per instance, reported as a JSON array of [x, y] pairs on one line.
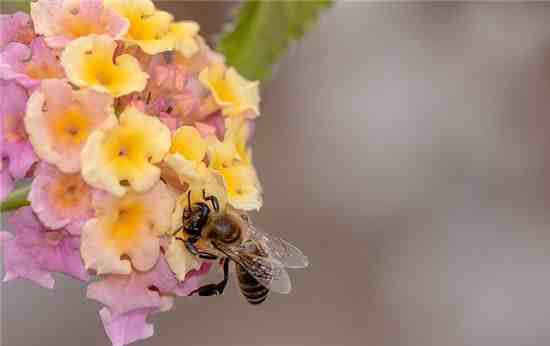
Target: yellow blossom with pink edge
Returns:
[[90, 62], [125, 156], [235, 94], [59, 120], [155, 31], [131, 226]]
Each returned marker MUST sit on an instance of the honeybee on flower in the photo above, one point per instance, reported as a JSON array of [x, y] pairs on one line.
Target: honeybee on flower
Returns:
[[127, 123]]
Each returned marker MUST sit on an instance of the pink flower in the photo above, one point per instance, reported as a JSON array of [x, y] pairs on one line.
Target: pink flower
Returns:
[[61, 21], [129, 299], [33, 252], [60, 200], [127, 328], [138, 290], [28, 65], [14, 141], [6, 182], [15, 28]]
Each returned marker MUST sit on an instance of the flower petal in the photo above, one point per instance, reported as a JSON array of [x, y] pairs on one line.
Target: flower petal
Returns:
[[180, 260], [130, 327], [16, 27], [138, 290], [34, 251], [14, 143]]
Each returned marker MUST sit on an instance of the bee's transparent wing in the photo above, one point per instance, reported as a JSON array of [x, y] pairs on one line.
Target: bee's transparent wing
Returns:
[[279, 249], [268, 271]]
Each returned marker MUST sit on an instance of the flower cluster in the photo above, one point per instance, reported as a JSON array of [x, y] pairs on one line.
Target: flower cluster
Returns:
[[115, 111]]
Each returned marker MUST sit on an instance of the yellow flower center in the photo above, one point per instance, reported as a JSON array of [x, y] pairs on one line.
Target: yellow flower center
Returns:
[[147, 26], [224, 91], [127, 221], [71, 128], [239, 179], [125, 151], [188, 142], [100, 69]]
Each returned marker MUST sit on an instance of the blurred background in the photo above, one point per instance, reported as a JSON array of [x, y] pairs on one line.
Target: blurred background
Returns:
[[403, 147]]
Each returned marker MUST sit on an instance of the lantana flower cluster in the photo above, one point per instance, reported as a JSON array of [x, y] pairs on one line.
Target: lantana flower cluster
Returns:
[[115, 110]]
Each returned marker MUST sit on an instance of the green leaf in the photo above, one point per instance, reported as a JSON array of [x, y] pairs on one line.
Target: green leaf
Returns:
[[15, 5], [262, 32], [16, 199]]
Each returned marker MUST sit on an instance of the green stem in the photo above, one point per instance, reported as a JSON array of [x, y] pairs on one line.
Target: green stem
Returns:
[[16, 199]]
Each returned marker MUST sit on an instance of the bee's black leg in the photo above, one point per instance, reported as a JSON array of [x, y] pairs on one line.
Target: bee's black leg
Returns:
[[212, 199], [190, 245], [215, 289]]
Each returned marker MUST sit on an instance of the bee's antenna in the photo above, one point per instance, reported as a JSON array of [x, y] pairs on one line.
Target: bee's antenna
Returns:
[[189, 199]]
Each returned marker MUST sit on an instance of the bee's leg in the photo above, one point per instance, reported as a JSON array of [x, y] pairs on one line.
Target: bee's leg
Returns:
[[215, 289], [190, 245], [221, 285], [212, 199]]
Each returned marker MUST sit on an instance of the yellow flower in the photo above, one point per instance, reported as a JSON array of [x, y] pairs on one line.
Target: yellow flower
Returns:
[[88, 62], [155, 31], [125, 155], [187, 153], [243, 187], [233, 160], [235, 94], [131, 226]]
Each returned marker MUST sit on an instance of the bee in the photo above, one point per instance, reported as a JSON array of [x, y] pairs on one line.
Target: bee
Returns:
[[260, 258]]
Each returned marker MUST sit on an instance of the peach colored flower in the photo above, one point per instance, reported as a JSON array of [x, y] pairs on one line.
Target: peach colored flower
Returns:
[[61, 21], [60, 119], [131, 226], [60, 200]]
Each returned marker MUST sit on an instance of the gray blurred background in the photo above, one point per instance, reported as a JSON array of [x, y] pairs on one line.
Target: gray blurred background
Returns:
[[403, 147]]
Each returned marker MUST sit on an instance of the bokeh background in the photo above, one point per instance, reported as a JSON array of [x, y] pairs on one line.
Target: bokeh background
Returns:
[[403, 147]]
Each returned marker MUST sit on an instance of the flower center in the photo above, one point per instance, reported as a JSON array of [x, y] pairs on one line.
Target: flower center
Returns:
[[71, 127]]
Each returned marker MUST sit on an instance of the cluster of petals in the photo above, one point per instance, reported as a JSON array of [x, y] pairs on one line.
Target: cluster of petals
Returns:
[[114, 111]]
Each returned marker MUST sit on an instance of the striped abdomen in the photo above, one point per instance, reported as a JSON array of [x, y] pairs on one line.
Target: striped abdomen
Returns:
[[251, 289]]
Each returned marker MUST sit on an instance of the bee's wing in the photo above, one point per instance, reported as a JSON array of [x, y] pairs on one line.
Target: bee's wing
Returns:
[[268, 271], [279, 249]]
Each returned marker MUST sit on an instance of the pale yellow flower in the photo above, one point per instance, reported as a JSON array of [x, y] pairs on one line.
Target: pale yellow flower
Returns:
[[187, 153], [88, 62], [125, 156], [155, 31], [232, 159], [131, 226], [231, 91]]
